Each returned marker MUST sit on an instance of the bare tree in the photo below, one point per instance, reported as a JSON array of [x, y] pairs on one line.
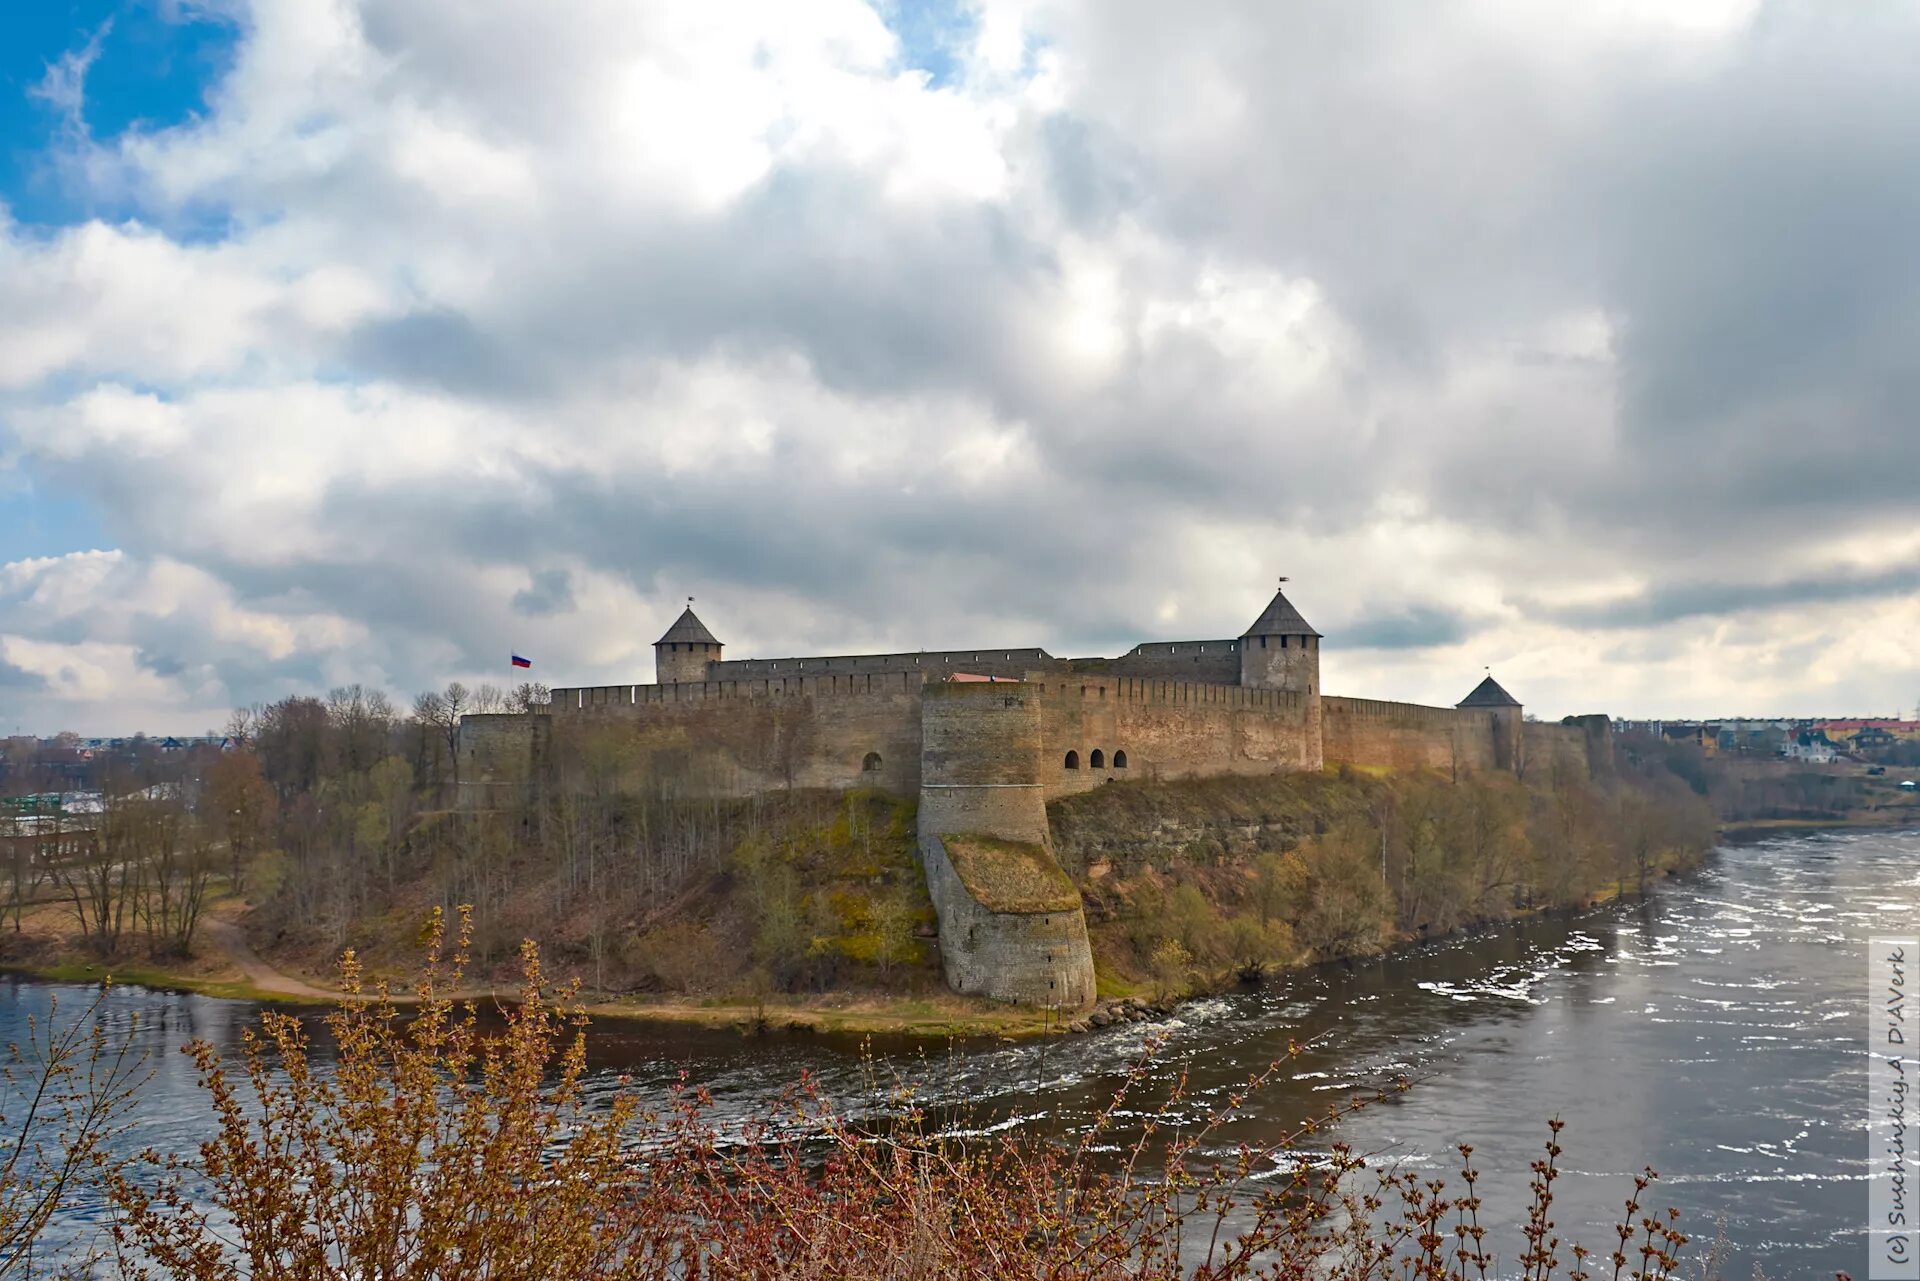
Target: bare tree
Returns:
[[442, 711], [239, 802], [101, 878], [243, 724], [527, 696], [362, 724]]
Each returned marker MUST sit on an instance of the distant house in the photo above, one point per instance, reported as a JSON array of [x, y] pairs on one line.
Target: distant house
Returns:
[[1872, 738], [1810, 746], [1885, 729], [1762, 738], [1692, 733]]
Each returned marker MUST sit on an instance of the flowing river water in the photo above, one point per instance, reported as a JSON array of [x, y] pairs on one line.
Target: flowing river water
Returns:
[[1715, 1031]]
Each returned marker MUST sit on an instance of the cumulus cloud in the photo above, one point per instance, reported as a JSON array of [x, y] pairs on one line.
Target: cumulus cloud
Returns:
[[1570, 343]]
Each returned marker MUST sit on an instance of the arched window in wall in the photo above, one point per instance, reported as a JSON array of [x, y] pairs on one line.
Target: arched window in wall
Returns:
[[871, 763], [1098, 760], [1120, 760], [1073, 760]]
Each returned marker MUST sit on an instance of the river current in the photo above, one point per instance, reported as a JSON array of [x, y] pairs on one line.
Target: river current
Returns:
[[1715, 1031]]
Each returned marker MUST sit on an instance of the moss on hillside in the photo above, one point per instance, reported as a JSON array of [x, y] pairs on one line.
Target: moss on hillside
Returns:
[[1010, 876], [1189, 882]]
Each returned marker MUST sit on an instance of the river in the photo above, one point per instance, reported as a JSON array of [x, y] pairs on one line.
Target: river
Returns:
[[1715, 1031]]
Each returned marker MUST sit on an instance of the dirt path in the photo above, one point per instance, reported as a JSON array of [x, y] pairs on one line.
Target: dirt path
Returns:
[[233, 942]]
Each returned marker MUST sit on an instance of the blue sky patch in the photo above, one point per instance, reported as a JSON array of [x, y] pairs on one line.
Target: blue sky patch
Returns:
[[153, 65], [34, 522], [931, 33]]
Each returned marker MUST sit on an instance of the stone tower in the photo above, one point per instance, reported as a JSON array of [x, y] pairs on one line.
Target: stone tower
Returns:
[[1011, 923], [1507, 715], [1282, 651], [681, 656]]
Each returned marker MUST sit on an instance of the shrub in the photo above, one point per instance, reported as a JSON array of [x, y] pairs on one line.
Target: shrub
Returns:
[[436, 1148]]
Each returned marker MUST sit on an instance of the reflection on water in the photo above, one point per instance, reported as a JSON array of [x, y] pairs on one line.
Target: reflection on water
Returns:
[[1714, 1032]]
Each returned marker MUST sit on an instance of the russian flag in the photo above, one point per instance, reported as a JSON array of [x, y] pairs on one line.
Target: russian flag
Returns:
[[522, 662]]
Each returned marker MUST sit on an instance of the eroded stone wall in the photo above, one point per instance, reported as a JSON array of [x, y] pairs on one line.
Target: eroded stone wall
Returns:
[[1028, 958], [1580, 750], [1168, 729], [929, 665], [1373, 734], [1214, 662], [979, 766], [739, 738], [497, 754]]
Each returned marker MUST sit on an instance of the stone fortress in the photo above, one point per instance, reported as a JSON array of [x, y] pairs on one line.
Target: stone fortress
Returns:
[[986, 737]]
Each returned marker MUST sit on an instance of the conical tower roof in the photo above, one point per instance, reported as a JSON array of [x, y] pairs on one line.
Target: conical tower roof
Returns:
[[1488, 694], [688, 630], [1280, 618]]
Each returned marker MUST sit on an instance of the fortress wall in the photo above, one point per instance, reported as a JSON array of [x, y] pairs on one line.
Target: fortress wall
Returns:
[[930, 665], [1215, 662], [614, 698], [496, 757], [979, 753], [1371, 733], [737, 738], [1169, 729], [1581, 750], [1553, 751], [980, 746]]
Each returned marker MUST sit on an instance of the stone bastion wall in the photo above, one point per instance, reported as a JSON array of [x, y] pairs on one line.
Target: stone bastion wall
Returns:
[[984, 758], [1011, 923], [840, 730]]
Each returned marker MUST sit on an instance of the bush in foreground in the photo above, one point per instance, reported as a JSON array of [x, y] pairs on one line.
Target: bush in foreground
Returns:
[[436, 1147]]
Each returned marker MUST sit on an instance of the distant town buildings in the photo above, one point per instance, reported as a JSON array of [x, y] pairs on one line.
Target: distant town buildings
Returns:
[[1813, 741]]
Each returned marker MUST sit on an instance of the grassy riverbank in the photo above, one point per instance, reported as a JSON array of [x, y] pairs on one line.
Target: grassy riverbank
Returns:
[[805, 912], [44, 950]]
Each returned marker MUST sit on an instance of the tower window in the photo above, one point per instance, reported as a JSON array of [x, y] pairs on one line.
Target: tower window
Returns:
[[1098, 760], [871, 763], [1073, 760], [1283, 642], [1119, 760]]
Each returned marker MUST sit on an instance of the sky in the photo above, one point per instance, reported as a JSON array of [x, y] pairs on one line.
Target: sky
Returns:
[[377, 340]]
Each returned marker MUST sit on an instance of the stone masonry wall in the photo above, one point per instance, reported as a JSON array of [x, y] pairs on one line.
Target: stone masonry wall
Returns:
[[1029, 958], [1373, 734], [980, 752], [1582, 750], [930, 665], [737, 738], [1167, 730], [1215, 662], [496, 754]]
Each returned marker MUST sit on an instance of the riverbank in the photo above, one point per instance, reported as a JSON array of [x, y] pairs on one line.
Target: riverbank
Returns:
[[1877, 821], [1190, 888], [226, 966], [236, 973], [1500, 1029]]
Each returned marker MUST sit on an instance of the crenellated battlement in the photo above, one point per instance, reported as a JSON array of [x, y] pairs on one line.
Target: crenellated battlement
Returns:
[[1373, 709], [824, 685]]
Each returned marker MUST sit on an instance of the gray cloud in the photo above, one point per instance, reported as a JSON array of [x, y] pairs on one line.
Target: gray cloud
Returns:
[[440, 349], [551, 592], [12, 677], [1387, 292], [1416, 627], [1675, 601]]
